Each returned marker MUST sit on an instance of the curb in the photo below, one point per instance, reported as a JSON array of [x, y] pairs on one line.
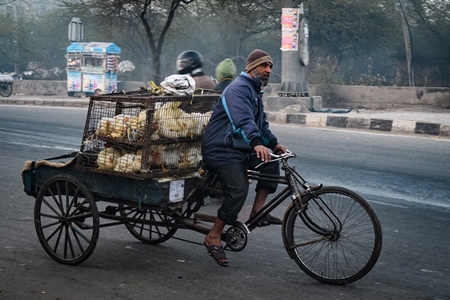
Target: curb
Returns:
[[385, 125], [64, 103], [305, 119]]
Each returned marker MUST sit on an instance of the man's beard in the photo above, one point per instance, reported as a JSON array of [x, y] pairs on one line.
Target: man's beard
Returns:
[[259, 79]]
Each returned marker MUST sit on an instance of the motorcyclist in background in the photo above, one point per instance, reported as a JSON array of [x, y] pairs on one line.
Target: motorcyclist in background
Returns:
[[191, 62]]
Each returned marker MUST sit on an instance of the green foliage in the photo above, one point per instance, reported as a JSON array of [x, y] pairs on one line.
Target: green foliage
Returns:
[[229, 29], [350, 41]]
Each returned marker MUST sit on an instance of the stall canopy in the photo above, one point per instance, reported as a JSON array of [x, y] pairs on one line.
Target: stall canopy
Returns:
[[94, 48], [76, 47], [108, 48]]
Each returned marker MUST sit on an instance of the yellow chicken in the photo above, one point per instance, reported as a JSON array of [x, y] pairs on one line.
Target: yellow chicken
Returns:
[[135, 130], [138, 122], [107, 158], [120, 125], [105, 126]]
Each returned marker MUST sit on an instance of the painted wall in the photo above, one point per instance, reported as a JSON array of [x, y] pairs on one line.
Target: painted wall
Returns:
[[373, 97]]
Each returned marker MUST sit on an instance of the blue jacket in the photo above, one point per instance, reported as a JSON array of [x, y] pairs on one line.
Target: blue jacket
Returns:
[[243, 98]]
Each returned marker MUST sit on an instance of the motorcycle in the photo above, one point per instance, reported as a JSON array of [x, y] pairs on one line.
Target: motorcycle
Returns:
[[6, 85]]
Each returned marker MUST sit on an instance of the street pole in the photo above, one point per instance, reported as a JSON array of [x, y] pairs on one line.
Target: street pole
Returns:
[[294, 56]]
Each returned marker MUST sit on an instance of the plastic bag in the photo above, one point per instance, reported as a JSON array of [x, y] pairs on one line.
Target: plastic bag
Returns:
[[180, 85]]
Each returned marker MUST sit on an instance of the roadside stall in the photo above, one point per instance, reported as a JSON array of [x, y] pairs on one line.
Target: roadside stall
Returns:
[[92, 68]]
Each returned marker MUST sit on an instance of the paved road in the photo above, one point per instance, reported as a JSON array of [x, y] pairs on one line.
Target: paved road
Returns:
[[405, 178], [409, 120]]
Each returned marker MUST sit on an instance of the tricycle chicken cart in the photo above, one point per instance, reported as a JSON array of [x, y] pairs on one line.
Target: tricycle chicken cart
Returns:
[[139, 165]]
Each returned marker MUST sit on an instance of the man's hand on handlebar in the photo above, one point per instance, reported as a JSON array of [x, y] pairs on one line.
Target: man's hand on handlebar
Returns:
[[279, 149], [264, 153]]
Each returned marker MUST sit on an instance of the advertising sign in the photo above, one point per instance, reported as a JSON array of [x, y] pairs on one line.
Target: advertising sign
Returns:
[[289, 29], [91, 82], [110, 82], [73, 81]]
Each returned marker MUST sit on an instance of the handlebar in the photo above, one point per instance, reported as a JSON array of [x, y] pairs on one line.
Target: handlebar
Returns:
[[287, 154], [277, 157]]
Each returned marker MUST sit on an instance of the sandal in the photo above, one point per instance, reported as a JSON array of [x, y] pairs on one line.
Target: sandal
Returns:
[[217, 253], [270, 220]]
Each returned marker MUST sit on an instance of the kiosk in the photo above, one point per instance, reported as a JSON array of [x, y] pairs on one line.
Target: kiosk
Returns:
[[92, 68]]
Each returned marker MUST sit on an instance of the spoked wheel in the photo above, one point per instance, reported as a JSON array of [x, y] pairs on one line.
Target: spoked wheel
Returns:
[[66, 220], [6, 89], [148, 233], [336, 238]]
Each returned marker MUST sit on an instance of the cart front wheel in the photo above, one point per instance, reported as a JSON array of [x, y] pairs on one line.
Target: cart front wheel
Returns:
[[148, 226], [66, 220]]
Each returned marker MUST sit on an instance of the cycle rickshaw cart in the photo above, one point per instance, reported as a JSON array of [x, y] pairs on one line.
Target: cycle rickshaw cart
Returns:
[[139, 158]]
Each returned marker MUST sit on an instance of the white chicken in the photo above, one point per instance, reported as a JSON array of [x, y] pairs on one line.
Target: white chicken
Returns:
[[173, 128], [169, 110], [190, 155], [167, 121], [197, 123], [107, 158], [156, 155], [129, 163], [104, 126], [171, 156], [163, 156], [185, 125]]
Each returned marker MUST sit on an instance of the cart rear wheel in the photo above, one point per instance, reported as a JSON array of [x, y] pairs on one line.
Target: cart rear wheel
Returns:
[[148, 233], [66, 220]]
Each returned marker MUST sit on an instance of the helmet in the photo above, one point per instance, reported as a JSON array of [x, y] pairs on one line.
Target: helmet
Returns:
[[188, 61]]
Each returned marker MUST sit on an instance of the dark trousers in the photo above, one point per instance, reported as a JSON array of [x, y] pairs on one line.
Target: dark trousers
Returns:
[[234, 180]]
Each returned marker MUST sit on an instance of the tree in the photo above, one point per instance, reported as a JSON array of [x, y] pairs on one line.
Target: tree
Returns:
[[431, 28], [16, 44], [229, 29], [156, 17]]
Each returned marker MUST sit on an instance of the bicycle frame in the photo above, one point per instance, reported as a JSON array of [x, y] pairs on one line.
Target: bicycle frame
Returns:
[[290, 189]]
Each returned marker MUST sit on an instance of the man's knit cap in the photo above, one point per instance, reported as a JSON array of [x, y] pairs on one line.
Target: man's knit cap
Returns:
[[226, 69], [257, 58]]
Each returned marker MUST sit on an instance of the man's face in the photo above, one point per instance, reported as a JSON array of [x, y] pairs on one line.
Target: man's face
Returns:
[[262, 73]]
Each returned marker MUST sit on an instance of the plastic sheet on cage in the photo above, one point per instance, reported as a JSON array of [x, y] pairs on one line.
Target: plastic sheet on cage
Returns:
[[180, 85]]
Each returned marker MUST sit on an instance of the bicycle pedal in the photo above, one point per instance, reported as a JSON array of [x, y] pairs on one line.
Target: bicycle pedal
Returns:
[[263, 224]]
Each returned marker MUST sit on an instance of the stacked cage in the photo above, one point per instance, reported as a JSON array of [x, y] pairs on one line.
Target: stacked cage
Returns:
[[142, 135]]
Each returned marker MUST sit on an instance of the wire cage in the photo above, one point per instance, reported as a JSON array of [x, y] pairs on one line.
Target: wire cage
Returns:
[[143, 135]]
